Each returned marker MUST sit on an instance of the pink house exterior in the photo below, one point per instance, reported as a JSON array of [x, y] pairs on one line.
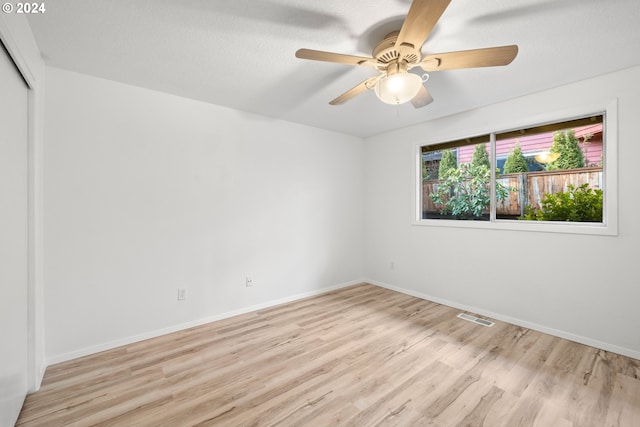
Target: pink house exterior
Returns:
[[541, 143]]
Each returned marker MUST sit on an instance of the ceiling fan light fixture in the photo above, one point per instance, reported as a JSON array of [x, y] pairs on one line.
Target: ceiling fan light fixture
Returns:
[[398, 88]]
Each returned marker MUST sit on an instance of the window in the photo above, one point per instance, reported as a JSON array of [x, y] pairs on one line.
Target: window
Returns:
[[552, 172], [455, 180], [544, 177]]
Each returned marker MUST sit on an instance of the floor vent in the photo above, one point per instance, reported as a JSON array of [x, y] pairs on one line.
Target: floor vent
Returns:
[[475, 319]]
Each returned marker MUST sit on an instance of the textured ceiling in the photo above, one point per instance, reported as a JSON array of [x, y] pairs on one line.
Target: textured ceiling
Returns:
[[240, 53]]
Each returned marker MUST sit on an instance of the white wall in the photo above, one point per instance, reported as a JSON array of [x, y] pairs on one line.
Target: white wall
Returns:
[[583, 287], [146, 193]]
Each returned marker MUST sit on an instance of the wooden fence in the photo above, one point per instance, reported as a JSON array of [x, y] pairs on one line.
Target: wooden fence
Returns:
[[530, 188]]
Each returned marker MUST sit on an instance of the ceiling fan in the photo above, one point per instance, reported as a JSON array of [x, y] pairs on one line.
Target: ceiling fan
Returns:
[[401, 51]]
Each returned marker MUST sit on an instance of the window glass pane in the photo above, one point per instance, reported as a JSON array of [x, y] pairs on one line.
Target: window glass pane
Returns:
[[552, 172], [456, 180]]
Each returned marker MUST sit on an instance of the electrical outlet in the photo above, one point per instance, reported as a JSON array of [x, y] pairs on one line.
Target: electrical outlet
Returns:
[[248, 281], [182, 294]]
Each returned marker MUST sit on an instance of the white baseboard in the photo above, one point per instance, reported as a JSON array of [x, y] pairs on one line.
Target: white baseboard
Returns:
[[159, 332], [534, 326], [40, 375], [156, 333]]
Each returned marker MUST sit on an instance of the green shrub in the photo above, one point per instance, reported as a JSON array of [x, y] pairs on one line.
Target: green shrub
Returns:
[[566, 149], [448, 163], [464, 193], [516, 162], [480, 156], [582, 204]]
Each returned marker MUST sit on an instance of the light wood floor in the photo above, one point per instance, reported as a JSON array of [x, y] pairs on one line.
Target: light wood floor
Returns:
[[359, 356]]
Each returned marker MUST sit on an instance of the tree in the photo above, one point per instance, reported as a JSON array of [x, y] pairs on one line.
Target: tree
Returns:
[[448, 163], [480, 156], [516, 161], [566, 149], [429, 169]]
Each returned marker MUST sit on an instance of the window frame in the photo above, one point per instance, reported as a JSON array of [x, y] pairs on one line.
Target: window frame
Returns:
[[609, 225]]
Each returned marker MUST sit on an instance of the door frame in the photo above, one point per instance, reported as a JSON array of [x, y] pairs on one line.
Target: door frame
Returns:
[[36, 363]]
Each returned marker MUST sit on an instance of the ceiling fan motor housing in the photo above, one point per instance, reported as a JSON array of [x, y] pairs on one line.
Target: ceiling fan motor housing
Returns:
[[387, 52]]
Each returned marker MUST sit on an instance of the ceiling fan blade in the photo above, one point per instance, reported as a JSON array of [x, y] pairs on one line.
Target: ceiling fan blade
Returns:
[[356, 90], [422, 17], [319, 55], [422, 98], [487, 57]]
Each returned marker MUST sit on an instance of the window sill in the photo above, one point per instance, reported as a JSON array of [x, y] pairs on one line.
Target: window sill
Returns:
[[515, 225]]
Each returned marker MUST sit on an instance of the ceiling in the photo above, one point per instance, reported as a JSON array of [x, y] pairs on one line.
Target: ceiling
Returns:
[[240, 53]]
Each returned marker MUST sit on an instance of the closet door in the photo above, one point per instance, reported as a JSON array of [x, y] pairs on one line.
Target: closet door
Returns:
[[13, 239]]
